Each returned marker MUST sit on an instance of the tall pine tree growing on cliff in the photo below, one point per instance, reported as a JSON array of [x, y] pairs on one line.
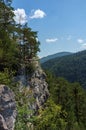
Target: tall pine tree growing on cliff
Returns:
[[28, 45], [31, 45], [8, 50], [11, 50]]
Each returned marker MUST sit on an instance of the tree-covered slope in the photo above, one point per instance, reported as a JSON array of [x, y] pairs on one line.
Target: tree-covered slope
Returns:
[[72, 67], [66, 107], [57, 55]]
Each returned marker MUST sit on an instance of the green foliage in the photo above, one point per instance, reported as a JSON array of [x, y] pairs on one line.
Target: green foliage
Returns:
[[72, 98], [4, 78], [24, 113], [30, 68], [51, 117], [18, 43], [21, 122]]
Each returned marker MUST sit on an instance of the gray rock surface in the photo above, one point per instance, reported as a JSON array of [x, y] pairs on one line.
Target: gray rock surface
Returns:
[[3, 125], [39, 88], [35, 82], [7, 108]]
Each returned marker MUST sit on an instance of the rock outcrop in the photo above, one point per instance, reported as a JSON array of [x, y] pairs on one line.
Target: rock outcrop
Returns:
[[36, 83], [7, 108], [39, 87], [36, 89]]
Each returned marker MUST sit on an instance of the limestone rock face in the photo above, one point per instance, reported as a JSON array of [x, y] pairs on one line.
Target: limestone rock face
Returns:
[[39, 88], [3, 125], [7, 108]]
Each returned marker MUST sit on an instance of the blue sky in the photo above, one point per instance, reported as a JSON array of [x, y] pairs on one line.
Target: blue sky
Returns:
[[61, 24]]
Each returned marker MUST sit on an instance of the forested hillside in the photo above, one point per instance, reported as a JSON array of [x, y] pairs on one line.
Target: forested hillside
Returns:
[[57, 55], [71, 67], [66, 107]]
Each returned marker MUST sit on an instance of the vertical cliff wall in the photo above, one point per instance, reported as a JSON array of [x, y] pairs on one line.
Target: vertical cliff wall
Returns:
[[36, 83], [39, 88]]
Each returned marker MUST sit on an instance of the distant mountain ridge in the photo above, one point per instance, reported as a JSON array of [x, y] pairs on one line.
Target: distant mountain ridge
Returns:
[[60, 54], [71, 67]]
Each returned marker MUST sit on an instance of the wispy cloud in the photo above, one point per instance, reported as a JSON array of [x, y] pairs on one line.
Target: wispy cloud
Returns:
[[35, 14], [69, 38], [20, 16], [80, 40], [83, 46], [82, 43], [50, 40]]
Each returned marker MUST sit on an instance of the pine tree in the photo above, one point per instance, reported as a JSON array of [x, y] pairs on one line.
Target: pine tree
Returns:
[[7, 43]]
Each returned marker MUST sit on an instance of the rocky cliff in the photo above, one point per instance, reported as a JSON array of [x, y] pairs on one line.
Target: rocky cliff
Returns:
[[39, 88], [36, 83], [7, 108]]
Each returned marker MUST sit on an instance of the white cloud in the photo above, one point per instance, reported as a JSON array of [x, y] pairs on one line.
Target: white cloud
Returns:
[[49, 40], [20, 16], [80, 40], [37, 14], [82, 43], [83, 46]]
